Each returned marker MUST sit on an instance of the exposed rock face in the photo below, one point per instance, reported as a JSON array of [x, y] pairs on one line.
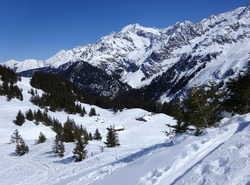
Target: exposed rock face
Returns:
[[163, 60]]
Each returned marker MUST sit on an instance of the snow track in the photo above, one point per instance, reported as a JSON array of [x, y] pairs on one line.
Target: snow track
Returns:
[[221, 155]]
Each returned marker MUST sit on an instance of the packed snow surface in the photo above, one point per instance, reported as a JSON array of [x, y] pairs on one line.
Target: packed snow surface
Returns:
[[221, 155]]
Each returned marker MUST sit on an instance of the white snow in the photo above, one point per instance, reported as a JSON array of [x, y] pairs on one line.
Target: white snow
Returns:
[[134, 45], [221, 155]]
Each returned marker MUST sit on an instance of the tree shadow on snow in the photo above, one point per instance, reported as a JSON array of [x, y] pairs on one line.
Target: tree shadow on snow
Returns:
[[143, 152], [13, 154], [242, 126], [50, 154], [65, 161]]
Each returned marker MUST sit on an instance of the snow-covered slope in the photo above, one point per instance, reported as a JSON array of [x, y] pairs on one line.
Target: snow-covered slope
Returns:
[[221, 155], [215, 48], [18, 66]]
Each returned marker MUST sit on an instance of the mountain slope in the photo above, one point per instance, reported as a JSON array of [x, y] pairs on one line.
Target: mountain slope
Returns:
[[93, 80], [215, 48], [219, 156]]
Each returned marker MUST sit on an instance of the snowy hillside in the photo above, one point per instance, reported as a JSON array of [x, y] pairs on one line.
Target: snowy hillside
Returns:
[[138, 54], [219, 156]]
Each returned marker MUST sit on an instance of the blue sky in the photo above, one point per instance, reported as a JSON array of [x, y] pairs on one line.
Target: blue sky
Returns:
[[40, 28]]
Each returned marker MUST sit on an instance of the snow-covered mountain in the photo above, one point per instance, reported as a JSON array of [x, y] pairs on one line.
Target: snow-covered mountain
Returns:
[[145, 157], [215, 48]]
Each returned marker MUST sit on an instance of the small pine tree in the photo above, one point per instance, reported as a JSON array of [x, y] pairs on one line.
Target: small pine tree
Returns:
[[20, 118], [21, 147], [83, 112], [61, 148], [92, 112], [112, 138], [68, 130], [97, 135], [90, 136], [79, 152], [58, 146], [29, 115], [41, 138], [15, 137]]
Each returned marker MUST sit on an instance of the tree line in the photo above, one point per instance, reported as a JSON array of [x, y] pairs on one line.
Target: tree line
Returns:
[[61, 94]]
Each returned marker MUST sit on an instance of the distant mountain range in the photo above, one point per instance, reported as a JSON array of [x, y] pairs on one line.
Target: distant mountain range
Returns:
[[158, 63]]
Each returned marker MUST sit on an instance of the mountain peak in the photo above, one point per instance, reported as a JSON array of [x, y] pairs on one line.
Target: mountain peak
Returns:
[[131, 28]]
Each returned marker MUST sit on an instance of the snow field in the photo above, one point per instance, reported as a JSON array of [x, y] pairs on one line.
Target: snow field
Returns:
[[42, 166], [221, 155]]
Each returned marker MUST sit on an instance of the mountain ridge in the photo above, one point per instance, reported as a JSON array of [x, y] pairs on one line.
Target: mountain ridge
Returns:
[[139, 56]]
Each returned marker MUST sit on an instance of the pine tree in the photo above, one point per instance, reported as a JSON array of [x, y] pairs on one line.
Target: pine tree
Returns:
[[112, 138], [83, 112], [41, 138], [201, 107], [15, 137], [21, 147], [179, 114], [29, 115], [239, 93], [92, 112], [79, 152], [97, 135], [90, 136], [68, 130], [20, 118], [58, 146]]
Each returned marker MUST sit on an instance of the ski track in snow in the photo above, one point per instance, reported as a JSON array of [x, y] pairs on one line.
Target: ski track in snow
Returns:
[[221, 155]]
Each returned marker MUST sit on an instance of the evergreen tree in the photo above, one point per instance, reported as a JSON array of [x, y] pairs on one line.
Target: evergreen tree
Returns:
[[68, 130], [90, 136], [200, 108], [239, 93], [179, 114], [41, 138], [29, 115], [97, 135], [20, 118], [38, 115], [79, 152], [83, 111], [15, 137], [21, 147], [8, 87], [56, 126], [58, 146], [92, 112], [112, 138]]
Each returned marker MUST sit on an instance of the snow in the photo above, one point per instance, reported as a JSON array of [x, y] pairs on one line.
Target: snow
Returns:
[[134, 44], [221, 155]]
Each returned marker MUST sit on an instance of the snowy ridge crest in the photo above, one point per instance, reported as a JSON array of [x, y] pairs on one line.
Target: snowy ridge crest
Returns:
[[137, 55]]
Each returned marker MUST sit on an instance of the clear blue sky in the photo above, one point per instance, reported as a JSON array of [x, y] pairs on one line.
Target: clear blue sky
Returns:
[[40, 28]]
